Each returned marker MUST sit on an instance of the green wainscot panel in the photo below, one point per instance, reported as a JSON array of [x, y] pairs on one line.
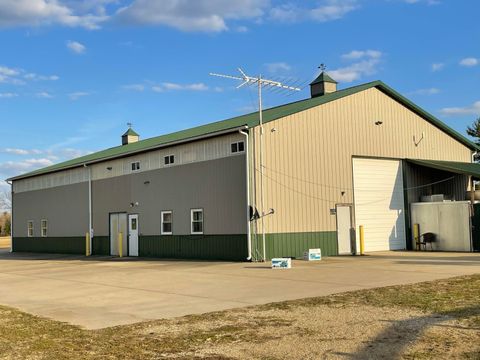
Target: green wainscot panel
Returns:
[[101, 245], [208, 247], [53, 245], [294, 244]]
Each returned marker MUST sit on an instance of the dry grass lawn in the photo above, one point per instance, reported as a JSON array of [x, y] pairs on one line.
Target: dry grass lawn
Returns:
[[4, 242], [434, 320]]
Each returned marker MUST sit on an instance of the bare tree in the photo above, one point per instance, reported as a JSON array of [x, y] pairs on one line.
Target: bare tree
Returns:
[[6, 201]]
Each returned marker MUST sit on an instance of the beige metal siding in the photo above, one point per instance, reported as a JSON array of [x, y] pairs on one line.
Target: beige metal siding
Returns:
[[308, 155]]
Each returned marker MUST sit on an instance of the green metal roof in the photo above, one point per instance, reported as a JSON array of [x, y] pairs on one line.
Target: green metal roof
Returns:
[[249, 120], [323, 77], [130, 132], [450, 166]]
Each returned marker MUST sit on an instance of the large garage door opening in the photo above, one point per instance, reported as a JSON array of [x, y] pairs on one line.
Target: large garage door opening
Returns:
[[379, 203]]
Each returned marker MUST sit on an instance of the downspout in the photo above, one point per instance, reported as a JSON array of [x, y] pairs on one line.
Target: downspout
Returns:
[[11, 214], [90, 230], [249, 238], [472, 200]]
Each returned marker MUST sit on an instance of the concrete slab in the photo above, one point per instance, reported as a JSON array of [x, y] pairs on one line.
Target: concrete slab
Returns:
[[98, 292]]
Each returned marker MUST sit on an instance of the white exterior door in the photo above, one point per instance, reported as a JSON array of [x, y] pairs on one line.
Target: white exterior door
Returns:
[[344, 227], [133, 235], [379, 203]]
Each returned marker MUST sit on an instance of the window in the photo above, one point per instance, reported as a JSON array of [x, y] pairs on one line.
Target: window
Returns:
[[136, 166], [169, 159], [30, 228], [238, 147], [43, 228], [197, 221], [166, 223], [134, 224]]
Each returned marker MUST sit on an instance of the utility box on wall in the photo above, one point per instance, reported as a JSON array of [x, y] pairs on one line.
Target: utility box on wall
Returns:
[[450, 222]]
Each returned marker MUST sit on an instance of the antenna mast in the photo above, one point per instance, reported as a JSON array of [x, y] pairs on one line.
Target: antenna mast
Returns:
[[260, 82]]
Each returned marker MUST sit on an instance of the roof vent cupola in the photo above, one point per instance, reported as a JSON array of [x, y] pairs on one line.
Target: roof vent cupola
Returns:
[[130, 136], [322, 85]]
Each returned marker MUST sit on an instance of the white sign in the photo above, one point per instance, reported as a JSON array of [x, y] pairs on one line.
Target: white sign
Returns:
[[312, 255], [281, 263]]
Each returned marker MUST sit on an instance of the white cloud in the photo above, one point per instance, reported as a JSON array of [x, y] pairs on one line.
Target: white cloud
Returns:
[[437, 66], [87, 14], [473, 109], [186, 15], [134, 87], [166, 86], [10, 76], [469, 61], [361, 54], [10, 167], [8, 95], [6, 71], [241, 29], [17, 76], [367, 65], [428, 2], [76, 47], [427, 91], [278, 67], [323, 11], [16, 151], [44, 95], [77, 95], [36, 77]]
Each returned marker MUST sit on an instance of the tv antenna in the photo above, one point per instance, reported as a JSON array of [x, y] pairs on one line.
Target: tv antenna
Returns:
[[261, 83]]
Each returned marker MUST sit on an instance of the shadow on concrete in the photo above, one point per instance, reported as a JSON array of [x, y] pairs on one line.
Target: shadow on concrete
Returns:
[[451, 261], [5, 254]]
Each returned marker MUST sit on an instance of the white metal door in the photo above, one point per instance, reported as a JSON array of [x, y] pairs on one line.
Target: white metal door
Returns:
[[344, 229], [379, 203], [133, 235], [118, 224]]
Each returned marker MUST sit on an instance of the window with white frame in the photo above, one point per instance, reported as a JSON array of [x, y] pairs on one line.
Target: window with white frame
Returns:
[[136, 166], [169, 159], [197, 221], [167, 222], [30, 228], [43, 228], [237, 147]]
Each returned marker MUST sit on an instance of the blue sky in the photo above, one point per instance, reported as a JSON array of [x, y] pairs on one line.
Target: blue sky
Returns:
[[73, 73]]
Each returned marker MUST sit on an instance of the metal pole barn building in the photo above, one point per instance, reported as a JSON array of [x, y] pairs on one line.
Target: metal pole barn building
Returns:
[[332, 162]]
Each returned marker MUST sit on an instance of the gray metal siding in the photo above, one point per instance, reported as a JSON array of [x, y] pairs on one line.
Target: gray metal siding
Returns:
[[218, 186], [64, 207]]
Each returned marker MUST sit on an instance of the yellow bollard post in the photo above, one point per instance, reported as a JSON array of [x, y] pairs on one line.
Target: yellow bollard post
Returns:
[[120, 244], [416, 233], [87, 244], [362, 240]]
